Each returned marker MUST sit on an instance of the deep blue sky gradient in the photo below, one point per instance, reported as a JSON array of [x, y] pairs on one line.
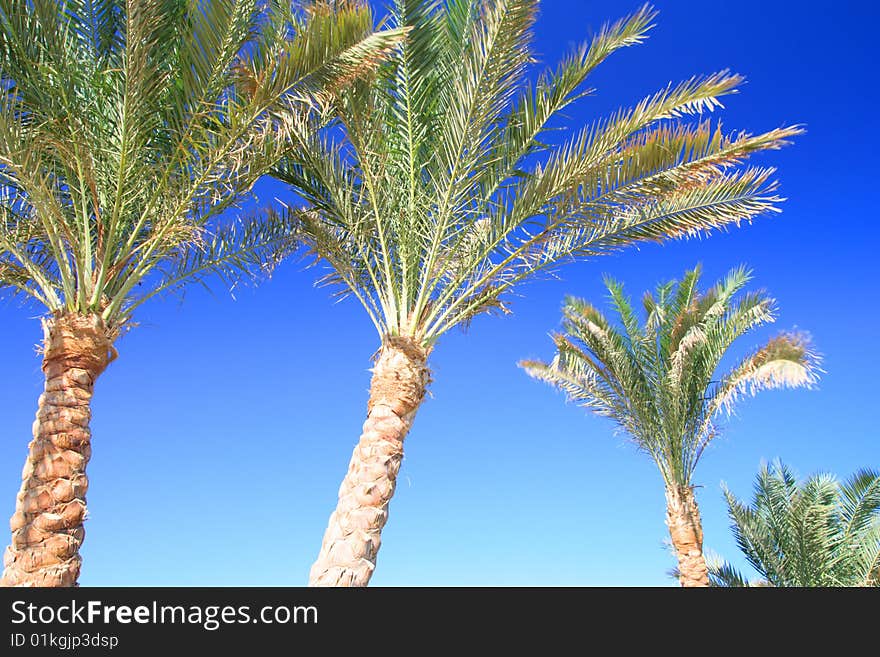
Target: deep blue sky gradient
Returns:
[[221, 434]]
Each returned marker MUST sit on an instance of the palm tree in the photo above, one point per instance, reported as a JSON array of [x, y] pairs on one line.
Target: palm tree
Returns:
[[819, 532], [436, 191], [126, 129], [660, 382]]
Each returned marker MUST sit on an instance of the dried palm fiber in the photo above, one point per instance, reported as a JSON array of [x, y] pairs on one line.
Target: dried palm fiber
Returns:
[[686, 532], [399, 383], [47, 526]]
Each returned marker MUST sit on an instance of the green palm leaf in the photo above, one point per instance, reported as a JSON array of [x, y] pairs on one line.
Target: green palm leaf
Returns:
[[819, 532]]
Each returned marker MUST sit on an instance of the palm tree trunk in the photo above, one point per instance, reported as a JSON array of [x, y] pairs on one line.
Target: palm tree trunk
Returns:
[[47, 527], [686, 530], [351, 542]]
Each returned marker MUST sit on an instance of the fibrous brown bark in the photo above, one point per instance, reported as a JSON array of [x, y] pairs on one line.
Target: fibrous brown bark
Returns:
[[47, 527], [686, 531], [351, 542]]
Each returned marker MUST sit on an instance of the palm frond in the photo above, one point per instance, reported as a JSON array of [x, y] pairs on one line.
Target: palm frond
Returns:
[[250, 247], [724, 575], [786, 361], [802, 534]]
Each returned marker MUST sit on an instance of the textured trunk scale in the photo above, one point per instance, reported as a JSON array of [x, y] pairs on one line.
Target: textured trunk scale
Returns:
[[351, 542], [47, 526], [686, 531]]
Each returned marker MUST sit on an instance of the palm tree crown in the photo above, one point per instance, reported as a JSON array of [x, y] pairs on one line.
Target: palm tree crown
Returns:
[[660, 380], [818, 532], [434, 190], [127, 126]]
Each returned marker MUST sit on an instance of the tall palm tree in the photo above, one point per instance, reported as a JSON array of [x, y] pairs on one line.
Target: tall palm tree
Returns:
[[819, 532], [437, 191], [126, 129], [660, 382]]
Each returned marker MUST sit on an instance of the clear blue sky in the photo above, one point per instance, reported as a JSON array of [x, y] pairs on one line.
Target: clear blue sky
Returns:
[[221, 434]]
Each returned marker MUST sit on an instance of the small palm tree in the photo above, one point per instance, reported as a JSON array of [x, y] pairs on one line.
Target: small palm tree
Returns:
[[436, 192], [126, 129], [660, 381], [819, 532]]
